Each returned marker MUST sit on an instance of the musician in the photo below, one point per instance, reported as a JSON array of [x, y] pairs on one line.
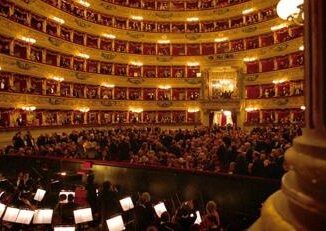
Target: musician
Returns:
[[4, 184], [68, 210], [20, 181]]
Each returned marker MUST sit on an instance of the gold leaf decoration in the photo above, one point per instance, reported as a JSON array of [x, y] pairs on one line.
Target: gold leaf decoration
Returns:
[[192, 36], [280, 47], [108, 103], [56, 101], [54, 41], [24, 65], [81, 76], [164, 103], [249, 29], [135, 35], [281, 102], [251, 77], [225, 56], [164, 14], [136, 81], [108, 6], [221, 11], [28, 1], [81, 23], [164, 58], [193, 80], [108, 56]]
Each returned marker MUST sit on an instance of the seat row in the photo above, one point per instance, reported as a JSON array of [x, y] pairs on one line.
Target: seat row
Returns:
[[23, 16], [275, 116], [168, 5], [18, 83], [11, 118]]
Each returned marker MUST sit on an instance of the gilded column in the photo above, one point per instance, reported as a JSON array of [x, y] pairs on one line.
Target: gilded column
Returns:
[[301, 203]]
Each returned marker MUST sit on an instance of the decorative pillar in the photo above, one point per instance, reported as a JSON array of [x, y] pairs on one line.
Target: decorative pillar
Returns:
[[301, 204]]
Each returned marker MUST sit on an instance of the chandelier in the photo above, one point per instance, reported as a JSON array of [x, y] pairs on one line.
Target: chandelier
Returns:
[[291, 10]]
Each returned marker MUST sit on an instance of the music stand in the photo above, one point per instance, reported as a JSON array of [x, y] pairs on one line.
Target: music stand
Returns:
[[2, 209], [43, 216], [198, 219], [64, 228], [39, 195], [160, 208], [126, 204], [25, 216], [83, 215], [10, 214], [115, 223]]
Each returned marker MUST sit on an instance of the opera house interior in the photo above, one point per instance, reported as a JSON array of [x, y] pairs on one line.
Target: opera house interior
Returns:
[[162, 115]]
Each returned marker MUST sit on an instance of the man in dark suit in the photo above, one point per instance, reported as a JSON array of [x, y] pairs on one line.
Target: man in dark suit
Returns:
[[144, 213], [19, 121]]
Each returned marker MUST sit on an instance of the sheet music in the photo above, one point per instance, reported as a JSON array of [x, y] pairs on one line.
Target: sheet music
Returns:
[[83, 215], [11, 214], [25, 216], [43, 216]]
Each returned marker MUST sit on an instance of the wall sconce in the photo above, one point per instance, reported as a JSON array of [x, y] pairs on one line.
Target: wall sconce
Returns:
[[303, 107], [139, 64], [165, 87], [138, 18], [109, 36], [136, 110], [28, 108], [278, 81], [192, 64], [249, 59], [28, 40], [163, 41], [84, 109], [250, 109], [59, 20], [279, 27], [84, 3], [219, 40], [248, 11], [193, 19], [57, 78], [84, 56], [108, 85], [193, 110]]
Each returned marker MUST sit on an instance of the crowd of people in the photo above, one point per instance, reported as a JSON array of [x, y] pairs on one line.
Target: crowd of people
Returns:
[[259, 152]]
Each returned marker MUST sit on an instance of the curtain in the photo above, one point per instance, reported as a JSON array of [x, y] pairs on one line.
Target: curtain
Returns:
[[253, 92], [283, 62], [92, 41], [297, 59], [282, 35], [297, 31], [267, 39], [178, 49], [193, 49], [178, 71], [252, 67], [208, 48], [267, 64], [20, 50], [192, 71]]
